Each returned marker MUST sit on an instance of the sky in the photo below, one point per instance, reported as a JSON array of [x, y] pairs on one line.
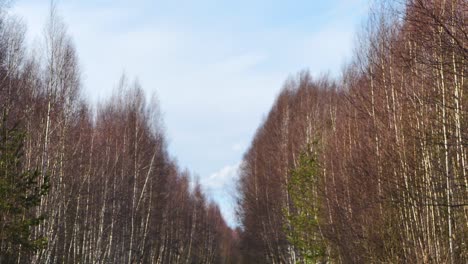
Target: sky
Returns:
[[215, 66]]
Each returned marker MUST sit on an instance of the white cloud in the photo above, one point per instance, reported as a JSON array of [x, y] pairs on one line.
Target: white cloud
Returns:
[[222, 179], [220, 186]]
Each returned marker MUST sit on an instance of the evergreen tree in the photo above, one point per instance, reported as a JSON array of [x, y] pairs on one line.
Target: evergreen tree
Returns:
[[20, 192], [304, 227]]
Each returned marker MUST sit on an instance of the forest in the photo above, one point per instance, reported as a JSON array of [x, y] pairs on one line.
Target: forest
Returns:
[[370, 167], [90, 184]]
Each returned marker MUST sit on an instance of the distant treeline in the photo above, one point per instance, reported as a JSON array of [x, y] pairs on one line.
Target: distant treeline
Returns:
[[90, 185], [373, 167]]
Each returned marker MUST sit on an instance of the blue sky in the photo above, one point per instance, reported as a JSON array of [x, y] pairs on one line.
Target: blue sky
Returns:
[[216, 66]]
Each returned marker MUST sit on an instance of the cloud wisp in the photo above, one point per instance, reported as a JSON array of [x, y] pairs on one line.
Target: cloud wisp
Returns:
[[221, 186]]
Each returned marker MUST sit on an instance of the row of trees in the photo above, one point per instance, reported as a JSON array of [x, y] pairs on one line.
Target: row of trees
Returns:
[[371, 168], [79, 185]]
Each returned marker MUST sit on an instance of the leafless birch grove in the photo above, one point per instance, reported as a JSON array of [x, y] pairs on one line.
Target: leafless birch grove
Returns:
[[370, 167], [391, 141], [115, 196]]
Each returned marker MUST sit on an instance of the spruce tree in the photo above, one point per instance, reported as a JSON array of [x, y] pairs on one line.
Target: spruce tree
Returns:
[[20, 192], [304, 219]]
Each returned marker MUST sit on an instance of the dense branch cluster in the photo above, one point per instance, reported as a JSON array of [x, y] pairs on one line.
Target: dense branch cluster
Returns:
[[387, 145], [115, 194]]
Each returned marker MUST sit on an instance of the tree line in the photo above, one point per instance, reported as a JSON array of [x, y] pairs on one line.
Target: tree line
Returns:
[[86, 184], [370, 167]]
